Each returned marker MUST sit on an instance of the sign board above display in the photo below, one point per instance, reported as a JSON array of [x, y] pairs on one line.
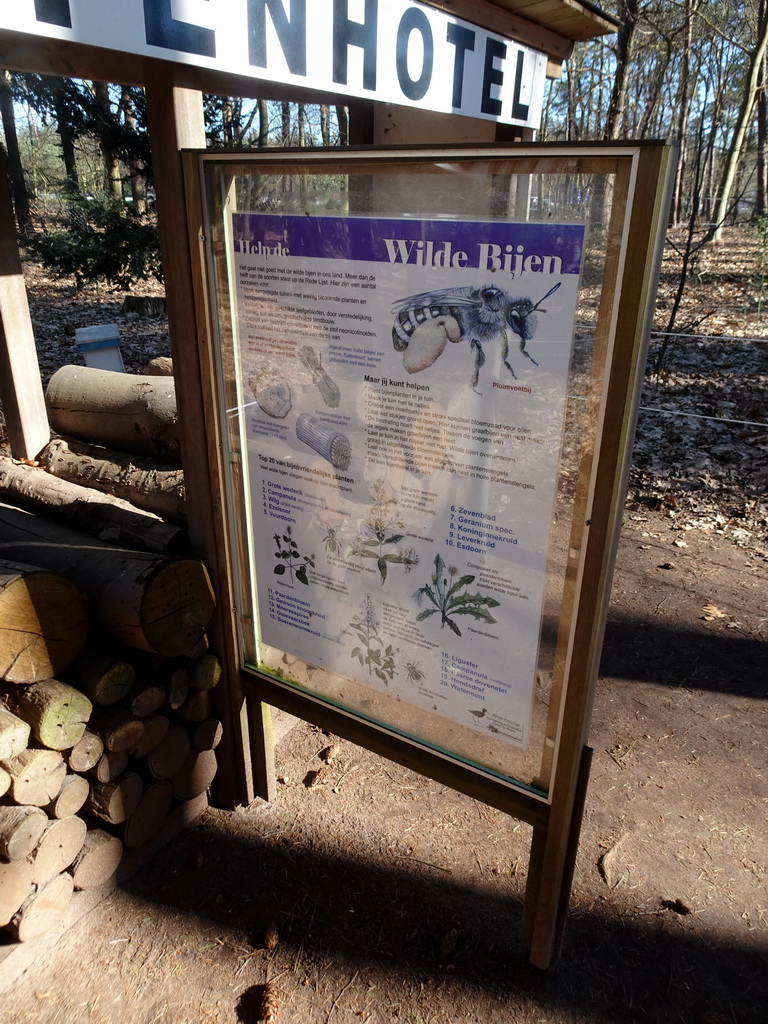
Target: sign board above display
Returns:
[[395, 52]]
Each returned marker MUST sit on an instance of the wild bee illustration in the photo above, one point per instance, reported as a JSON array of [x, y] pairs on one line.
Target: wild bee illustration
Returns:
[[477, 315], [414, 672]]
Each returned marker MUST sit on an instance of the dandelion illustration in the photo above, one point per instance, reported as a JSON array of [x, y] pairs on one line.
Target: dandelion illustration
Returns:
[[451, 599]]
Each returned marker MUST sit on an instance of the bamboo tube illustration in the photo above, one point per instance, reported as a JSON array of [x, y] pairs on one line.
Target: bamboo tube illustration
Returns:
[[327, 387], [326, 441]]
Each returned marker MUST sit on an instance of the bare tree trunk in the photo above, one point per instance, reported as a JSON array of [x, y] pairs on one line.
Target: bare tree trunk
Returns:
[[761, 194], [325, 124], [135, 167], [15, 170], [684, 110], [263, 124], [66, 136], [742, 126], [112, 175], [342, 116], [629, 11]]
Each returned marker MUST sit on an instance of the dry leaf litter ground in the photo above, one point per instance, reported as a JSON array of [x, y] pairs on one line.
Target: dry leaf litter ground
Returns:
[[374, 895]]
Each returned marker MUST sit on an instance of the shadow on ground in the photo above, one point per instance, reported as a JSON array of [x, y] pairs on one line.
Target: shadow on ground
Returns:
[[388, 920], [655, 651]]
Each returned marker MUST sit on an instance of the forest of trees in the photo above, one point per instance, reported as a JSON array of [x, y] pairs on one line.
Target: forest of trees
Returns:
[[693, 70]]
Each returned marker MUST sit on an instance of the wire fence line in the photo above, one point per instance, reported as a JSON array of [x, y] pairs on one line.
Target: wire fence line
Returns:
[[701, 416]]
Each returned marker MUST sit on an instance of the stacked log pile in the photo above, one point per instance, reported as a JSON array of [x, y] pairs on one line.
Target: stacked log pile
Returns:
[[84, 778], [106, 682]]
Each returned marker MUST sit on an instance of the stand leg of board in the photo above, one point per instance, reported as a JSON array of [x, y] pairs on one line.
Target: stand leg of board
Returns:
[[551, 870], [262, 749]]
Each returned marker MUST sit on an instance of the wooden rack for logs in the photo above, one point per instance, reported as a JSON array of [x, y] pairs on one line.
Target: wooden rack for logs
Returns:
[[106, 683]]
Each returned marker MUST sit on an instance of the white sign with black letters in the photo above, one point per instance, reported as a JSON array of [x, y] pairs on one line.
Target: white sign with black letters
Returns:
[[398, 51]]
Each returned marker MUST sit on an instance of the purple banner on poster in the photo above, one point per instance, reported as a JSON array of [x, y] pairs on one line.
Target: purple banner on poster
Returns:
[[487, 246]]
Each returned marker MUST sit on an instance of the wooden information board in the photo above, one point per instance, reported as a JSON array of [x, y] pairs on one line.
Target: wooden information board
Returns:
[[424, 369]]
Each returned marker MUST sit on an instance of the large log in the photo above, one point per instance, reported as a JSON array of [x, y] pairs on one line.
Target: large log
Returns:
[[59, 844], [43, 621], [97, 861], [143, 482], [146, 601], [20, 830], [102, 515], [119, 410], [5, 781], [56, 712], [36, 775], [14, 734], [15, 883], [42, 910]]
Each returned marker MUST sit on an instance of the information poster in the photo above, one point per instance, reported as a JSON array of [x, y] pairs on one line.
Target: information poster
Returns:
[[404, 386]]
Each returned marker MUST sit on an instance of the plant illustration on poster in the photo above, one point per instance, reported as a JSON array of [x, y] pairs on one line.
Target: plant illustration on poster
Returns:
[[403, 403]]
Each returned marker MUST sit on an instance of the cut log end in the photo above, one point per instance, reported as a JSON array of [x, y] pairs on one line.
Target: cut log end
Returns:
[[43, 623], [177, 606], [97, 861]]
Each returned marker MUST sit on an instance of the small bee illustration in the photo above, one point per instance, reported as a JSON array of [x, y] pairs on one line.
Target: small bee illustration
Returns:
[[476, 315], [414, 672]]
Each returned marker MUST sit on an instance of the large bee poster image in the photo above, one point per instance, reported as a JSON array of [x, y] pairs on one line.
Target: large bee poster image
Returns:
[[402, 394]]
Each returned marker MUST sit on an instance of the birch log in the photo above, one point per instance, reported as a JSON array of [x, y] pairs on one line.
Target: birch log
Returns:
[[148, 816], [36, 776], [119, 410], [143, 482], [146, 601], [43, 622], [15, 883], [85, 754], [20, 830], [42, 910], [56, 712], [72, 795], [97, 861], [101, 515], [116, 801], [59, 844], [14, 734]]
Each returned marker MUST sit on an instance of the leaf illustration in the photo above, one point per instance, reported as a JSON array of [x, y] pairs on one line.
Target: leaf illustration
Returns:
[[395, 538], [425, 614], [279, 570], [463, 582], [382, 564]]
